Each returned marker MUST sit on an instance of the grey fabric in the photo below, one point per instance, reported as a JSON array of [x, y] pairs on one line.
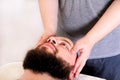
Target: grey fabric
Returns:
[[77, 17]]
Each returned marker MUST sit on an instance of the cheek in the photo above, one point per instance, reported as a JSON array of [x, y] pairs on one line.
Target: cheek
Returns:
[[65, 54]]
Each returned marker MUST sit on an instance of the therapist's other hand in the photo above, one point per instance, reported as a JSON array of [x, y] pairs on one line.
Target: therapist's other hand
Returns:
[[43, 37], [83, 46]]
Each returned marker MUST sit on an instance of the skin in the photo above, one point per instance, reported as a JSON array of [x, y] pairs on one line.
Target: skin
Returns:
[[63, 46], [45, 8], [107, 23]]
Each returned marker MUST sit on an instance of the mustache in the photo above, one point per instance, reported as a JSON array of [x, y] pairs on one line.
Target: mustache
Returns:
[[44, 48]]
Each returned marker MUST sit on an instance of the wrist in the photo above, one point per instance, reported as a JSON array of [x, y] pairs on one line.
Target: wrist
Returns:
[[49, 32], [90, 40]]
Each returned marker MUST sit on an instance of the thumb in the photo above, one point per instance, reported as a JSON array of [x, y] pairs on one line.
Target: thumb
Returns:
[[40, 41]]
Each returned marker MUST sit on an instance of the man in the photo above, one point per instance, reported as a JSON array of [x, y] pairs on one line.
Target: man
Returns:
[[50, 60]]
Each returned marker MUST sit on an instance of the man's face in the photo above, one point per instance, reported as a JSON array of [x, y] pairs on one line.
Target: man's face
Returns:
[[60, 47]]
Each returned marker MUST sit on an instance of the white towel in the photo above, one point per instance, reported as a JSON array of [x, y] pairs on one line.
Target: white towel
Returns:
[[12, 71]]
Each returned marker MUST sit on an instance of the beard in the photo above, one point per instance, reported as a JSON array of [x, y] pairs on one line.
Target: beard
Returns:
[[41, 61]]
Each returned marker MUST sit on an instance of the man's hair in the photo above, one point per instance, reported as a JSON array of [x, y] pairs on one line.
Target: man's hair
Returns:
[[40, 61]]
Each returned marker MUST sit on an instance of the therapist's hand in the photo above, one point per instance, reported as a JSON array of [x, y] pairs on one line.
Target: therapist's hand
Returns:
[[83, 46], [44, 37]]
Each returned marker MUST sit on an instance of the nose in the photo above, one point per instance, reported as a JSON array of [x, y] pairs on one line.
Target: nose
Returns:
[[52, 40]]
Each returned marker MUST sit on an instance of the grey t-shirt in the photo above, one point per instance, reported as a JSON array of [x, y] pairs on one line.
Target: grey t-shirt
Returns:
[[77, 17]]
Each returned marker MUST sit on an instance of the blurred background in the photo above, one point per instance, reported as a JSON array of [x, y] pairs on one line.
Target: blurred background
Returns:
[[20, 28]]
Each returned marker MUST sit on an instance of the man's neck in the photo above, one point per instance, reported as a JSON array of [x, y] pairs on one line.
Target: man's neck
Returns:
[[29, 75]]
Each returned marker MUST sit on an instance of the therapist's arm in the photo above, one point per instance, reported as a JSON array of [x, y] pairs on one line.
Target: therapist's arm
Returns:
[[49, 13], [107, 23]]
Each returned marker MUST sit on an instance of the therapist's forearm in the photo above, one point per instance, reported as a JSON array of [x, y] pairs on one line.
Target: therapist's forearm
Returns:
[[49, 12], [109, 21]]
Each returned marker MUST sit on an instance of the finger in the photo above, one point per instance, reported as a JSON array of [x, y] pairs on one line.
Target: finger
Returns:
[[77, 64], [71, 76], [41, 41], [79, 69]]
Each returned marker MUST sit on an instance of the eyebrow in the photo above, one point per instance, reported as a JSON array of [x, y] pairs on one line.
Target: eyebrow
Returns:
[[66, 41]]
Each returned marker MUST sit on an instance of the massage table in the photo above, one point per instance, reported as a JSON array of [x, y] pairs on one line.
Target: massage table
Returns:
[[12, 71]]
